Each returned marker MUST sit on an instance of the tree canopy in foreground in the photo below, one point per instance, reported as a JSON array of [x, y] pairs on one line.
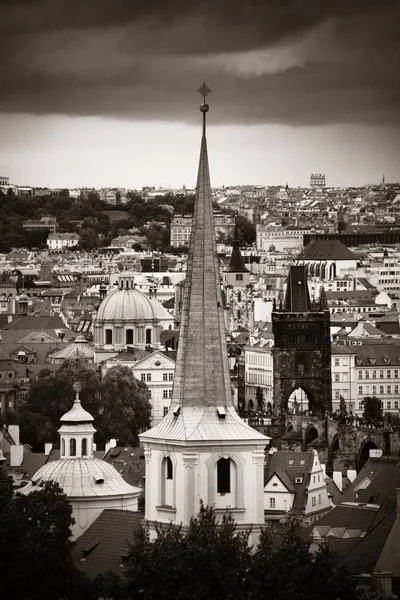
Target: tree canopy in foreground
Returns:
[[209, 561], [212, 561], [35, 551]]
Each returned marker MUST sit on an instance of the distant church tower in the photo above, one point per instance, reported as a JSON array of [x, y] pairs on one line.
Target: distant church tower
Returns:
[[238, 291], [202, 450], [302, 347]]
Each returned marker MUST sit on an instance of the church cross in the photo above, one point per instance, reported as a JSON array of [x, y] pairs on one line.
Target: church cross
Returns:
[[204, 90]]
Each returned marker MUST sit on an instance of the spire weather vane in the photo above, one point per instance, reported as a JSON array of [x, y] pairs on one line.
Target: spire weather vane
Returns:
[[204, 90]]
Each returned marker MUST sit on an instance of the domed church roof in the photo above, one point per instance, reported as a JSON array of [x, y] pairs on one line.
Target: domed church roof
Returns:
[[126, 305], [78, 473], [82, 477]]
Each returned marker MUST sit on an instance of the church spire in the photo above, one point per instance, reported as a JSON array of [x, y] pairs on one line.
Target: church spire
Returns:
[[236, 263], [323, 302], [202, 370]]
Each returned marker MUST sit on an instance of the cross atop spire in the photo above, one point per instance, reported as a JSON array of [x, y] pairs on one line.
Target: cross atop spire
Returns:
[[204, 90]]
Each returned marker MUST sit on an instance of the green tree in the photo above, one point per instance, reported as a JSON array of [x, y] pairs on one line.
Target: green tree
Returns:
[[89, 239], [246, 231], [35, 550], [208, 562], [282, 568], [372, 409], [52, 395], [126, 410]]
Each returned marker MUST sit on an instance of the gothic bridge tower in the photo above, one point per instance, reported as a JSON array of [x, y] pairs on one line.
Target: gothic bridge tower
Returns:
[[238, 291], [302, 347]]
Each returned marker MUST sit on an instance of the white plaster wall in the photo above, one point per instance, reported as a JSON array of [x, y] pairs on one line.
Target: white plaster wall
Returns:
[[192, 483], [283, 498], [85, 512]]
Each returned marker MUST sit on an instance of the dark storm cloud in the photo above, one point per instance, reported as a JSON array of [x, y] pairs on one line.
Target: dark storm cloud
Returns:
[[283, 61]]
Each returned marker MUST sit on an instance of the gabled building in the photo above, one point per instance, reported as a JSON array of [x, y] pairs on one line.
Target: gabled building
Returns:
[[295, 484], [327, 259]]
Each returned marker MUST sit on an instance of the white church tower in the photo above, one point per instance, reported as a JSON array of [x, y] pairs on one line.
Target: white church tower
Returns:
[[202, 450]]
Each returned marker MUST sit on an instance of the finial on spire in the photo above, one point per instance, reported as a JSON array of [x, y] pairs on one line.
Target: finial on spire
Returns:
[[77, 388], [204, 90]]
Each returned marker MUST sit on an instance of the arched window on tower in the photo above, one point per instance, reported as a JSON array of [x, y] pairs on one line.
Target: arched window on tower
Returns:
[[62, 447], [148, 336], [169, 469], [109, 336], [129, 336], [224, 476], [72, 447], [84, 447], [167, 482]]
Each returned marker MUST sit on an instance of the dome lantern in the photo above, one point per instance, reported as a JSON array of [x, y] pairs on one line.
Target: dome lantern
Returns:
[[76, 431]]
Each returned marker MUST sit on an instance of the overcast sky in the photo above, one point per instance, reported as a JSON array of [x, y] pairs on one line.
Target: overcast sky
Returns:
[[103, 92]]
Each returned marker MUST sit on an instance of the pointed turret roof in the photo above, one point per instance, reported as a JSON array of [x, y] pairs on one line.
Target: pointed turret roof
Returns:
[[323, 302], [297, 298], [236, 264]]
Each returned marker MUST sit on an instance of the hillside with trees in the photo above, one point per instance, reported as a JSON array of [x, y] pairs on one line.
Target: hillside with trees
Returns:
[[95, 221]]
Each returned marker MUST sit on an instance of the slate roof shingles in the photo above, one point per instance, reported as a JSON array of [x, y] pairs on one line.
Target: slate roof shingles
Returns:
[[101, 547]]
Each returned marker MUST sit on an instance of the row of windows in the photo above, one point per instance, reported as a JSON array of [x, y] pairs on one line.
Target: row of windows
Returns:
[[388, 281], [260, 378], [147, 377], [129, 339], [382, 375], [254, 358], [72, 447], [272, 501], [343, 378], [382, 389], [341, 361], [389, 405]]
